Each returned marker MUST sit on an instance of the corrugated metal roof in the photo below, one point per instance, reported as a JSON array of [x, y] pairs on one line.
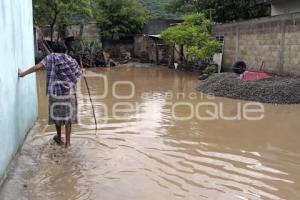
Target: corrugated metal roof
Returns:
[[154, 36]]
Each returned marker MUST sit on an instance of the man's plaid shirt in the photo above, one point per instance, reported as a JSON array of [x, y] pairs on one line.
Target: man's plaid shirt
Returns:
[[63, 72]]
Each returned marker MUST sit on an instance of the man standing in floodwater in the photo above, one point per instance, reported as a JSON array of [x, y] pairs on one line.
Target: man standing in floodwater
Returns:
[[63, 73]]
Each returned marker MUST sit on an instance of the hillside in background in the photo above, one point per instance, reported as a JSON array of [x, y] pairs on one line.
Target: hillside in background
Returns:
[[157, 8]]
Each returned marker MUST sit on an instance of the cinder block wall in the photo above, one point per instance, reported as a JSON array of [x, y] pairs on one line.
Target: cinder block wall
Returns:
[[91, 31], [272, 40], [18, 98]]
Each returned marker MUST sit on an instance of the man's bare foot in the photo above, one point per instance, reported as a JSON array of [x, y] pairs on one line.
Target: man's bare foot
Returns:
[[67, 145], [58, 140]]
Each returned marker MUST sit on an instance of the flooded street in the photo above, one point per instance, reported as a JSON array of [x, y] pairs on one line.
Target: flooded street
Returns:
[[143, 151]]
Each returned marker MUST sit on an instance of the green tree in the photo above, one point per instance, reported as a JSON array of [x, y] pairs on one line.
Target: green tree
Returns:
[[157, 8], [194, 34], [222, 10], [119, 16], [58, 12]]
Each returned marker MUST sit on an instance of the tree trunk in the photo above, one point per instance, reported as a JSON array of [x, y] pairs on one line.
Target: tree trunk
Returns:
[[181, 53], [61, 32], [182, 56], [81, 31], [172, 55], [51, 32], [52, 25]]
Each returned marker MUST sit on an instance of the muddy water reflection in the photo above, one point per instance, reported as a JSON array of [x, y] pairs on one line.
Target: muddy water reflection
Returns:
[[149, 155]]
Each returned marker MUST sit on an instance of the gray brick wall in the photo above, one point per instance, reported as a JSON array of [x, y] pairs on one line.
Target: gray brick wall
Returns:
[[91, 31], [272, 40]]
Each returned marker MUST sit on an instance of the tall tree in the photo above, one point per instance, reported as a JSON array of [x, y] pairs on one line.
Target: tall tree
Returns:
[[58, 12], [221, 10], [119, 16]]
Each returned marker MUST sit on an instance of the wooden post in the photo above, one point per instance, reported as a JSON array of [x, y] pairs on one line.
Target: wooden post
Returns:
[[172, 55], [156, 51]]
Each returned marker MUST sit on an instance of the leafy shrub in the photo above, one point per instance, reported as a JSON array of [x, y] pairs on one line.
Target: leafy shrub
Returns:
[[210, 70], [88, 50]]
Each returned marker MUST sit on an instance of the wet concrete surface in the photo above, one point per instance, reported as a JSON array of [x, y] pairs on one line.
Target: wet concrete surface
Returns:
[[148, 154]]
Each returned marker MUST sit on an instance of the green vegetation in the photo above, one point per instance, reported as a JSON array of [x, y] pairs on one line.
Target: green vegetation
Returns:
[[113, 16], [119, 16], [157, 8], [194, 34], [128, 16], [59, 12], [223, 10], [210, 70], [88, 51]]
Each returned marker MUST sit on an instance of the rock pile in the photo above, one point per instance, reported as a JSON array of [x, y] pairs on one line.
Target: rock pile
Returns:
[[277, 90]]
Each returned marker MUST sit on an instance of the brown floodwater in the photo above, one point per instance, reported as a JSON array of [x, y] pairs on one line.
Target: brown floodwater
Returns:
[[145, 149]]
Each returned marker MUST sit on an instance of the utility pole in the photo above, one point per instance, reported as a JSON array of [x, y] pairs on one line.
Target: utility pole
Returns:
[[211, 11]]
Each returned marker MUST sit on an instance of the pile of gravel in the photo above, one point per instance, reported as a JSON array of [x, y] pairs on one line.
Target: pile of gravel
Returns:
[[277, 90]]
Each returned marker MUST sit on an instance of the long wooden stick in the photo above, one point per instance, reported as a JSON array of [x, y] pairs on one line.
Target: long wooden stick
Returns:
[[90, 96], [48, 52]]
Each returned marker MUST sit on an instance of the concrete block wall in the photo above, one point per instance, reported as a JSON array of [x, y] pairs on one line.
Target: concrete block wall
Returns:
[[140, 46], [272, 40], [18, 98], [91, 31], [115, 47], [151, 50]]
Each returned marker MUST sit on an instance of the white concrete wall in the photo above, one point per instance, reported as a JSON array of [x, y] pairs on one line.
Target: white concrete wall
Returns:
[[280, 7], [18, 98]]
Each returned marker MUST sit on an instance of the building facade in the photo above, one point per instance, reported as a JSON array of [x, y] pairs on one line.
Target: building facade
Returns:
[[18, 98]]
